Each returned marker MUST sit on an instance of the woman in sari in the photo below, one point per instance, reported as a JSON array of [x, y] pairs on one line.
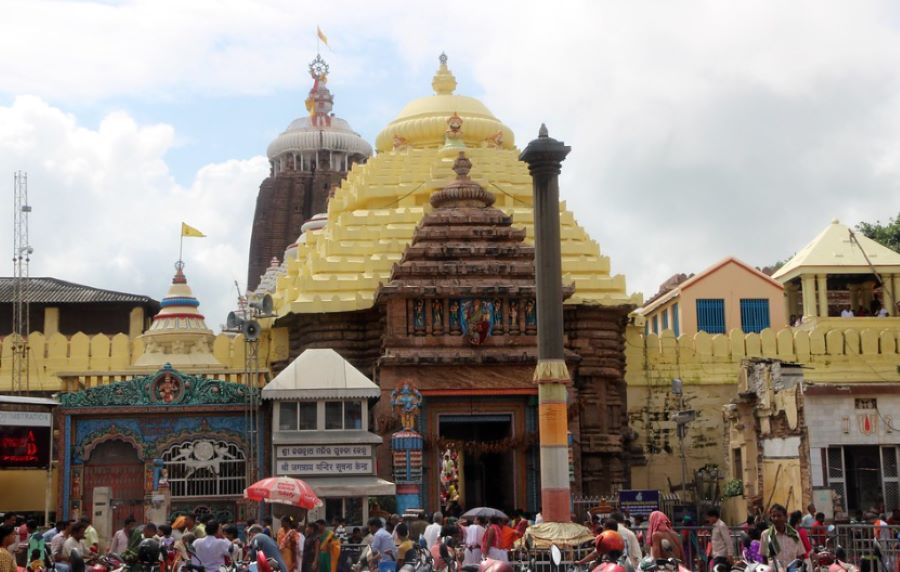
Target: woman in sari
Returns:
[[287, 543], [329, 549]]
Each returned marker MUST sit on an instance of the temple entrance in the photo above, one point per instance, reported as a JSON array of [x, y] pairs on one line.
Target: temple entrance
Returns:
[[488, 478], [116, 464]]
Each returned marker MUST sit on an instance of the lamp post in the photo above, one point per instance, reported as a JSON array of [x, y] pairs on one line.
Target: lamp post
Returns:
[[682, 417], [544, 156]]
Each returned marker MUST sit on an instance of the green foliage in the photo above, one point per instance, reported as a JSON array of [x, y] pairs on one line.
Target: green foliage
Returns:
[[886, 234], [733, 488]]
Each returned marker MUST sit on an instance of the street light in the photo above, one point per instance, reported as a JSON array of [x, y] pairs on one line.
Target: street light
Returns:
[[681, 418]]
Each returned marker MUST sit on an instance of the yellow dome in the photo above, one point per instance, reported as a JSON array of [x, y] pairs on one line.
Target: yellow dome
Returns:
[[423, 122]]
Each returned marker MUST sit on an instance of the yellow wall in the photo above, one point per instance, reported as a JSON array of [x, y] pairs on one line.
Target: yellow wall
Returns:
[[709, 366], [100, 354], [782, 483], [26, 491]]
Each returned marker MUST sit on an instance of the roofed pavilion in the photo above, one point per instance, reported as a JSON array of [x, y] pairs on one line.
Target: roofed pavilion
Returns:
[[840, 269]]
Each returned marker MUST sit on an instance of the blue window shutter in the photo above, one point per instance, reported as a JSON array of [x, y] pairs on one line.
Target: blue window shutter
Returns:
[[754, 314], [711, 315], [656, 324], [646, 327], [675, 325], [665, 316]]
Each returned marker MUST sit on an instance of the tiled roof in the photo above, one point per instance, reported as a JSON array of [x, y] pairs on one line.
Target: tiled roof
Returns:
[[56, 291]]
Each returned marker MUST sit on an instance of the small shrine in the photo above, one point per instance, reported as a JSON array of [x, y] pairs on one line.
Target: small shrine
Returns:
[[168, 439], [459, 354]]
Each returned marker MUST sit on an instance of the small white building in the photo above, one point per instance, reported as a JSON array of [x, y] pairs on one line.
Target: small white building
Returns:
[[320, 420]]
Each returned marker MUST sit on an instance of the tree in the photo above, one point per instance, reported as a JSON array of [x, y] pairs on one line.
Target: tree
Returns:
[[885, 234]]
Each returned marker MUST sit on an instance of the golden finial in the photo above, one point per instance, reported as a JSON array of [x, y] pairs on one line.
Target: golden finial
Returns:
[[443, 83]]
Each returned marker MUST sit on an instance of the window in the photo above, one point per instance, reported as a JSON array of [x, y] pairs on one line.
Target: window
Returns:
[[866, 403], [656, 324], [834, 463], [307, 413], [353, 415], [334, 415], [676, 327], [754, 314], [205, 468], [711, 315], [738, 463], [665, 319], [287, 416], [646, 327]]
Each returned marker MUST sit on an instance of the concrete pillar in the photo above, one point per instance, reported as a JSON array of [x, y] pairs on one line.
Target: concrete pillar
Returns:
[[808, 285], [51, 321], [136, 322], [822, 288], [544, 156], [895, 311]]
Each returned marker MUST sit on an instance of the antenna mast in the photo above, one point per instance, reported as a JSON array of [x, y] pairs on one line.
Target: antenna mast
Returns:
[[21, 257]]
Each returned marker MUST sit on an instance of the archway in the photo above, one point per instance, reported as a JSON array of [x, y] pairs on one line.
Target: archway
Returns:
[[116, 464]]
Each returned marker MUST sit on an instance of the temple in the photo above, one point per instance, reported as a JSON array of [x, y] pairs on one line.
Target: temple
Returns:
[[306, 161], [421, 274]]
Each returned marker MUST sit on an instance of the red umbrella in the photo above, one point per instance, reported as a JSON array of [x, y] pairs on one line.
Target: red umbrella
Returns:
[[284, 490]]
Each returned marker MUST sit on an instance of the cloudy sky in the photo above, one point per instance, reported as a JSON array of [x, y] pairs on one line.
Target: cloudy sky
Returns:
[[699, 129]]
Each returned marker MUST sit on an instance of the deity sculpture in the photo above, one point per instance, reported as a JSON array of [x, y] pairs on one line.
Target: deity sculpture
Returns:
[[453, 136], [437, 316], [419, 316], [406, 401], [454, 316], [167, 388], [478, 316]]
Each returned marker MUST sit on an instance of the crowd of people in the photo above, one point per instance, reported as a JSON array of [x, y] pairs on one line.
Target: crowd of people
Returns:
[[313, 546]]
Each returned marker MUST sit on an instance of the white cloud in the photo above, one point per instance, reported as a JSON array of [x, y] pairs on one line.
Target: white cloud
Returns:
[[107, 212], [699, 129]]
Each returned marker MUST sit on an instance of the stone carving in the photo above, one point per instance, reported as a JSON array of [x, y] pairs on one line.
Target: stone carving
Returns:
[[454, 317], [476, 318], [406, 401], [166, 387], [202, 454], [437, 317], [513, 316], [419, 316], [453, 136], [530, 317], [400, 143], [494, 141]]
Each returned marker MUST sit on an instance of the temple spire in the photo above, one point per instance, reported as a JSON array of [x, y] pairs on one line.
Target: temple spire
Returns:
[[443, 83]]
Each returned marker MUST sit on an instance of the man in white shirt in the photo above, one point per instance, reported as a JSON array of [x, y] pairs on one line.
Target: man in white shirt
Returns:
[[632, 546], [433, 530], [847, 312], [56, 544], [72, 542], [119, 543], [212, 550]]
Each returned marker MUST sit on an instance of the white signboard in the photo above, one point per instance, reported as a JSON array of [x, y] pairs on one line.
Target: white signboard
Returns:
[[325, 467], [322, 451], [26, 419]]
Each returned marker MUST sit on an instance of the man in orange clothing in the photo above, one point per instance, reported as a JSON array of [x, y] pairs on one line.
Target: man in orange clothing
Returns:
[[508, 535]]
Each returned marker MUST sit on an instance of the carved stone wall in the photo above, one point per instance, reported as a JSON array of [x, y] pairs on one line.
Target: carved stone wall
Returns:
[[599, 415], [283, 204]]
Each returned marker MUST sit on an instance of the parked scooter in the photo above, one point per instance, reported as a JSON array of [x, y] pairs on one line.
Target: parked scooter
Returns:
[[418, 559]]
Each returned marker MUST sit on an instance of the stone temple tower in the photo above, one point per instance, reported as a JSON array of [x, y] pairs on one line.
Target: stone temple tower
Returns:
[[306, 161]]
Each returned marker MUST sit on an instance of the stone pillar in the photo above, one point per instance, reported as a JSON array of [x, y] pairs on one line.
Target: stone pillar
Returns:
[[544, 157], [808, 285], [822, 288]]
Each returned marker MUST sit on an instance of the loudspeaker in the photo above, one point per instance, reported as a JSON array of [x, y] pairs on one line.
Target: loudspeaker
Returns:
[[233, 322], [250, 329], [264, 305]]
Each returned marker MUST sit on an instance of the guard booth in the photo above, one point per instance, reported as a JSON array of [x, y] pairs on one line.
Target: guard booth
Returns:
[[26, 453], [320, 420]]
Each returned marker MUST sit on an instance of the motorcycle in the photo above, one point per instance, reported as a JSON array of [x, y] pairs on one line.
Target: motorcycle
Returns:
[[421, 561], [107, 563]]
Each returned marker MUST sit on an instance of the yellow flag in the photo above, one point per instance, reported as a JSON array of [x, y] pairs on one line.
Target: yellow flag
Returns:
[[188, 230], [322, 36]]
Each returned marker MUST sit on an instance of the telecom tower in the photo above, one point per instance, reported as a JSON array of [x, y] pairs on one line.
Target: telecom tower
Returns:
[[21, 257]]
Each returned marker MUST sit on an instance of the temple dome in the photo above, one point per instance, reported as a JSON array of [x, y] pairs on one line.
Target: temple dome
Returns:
[[422, 122], [321, 130], [178, 334], [301, 136]]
